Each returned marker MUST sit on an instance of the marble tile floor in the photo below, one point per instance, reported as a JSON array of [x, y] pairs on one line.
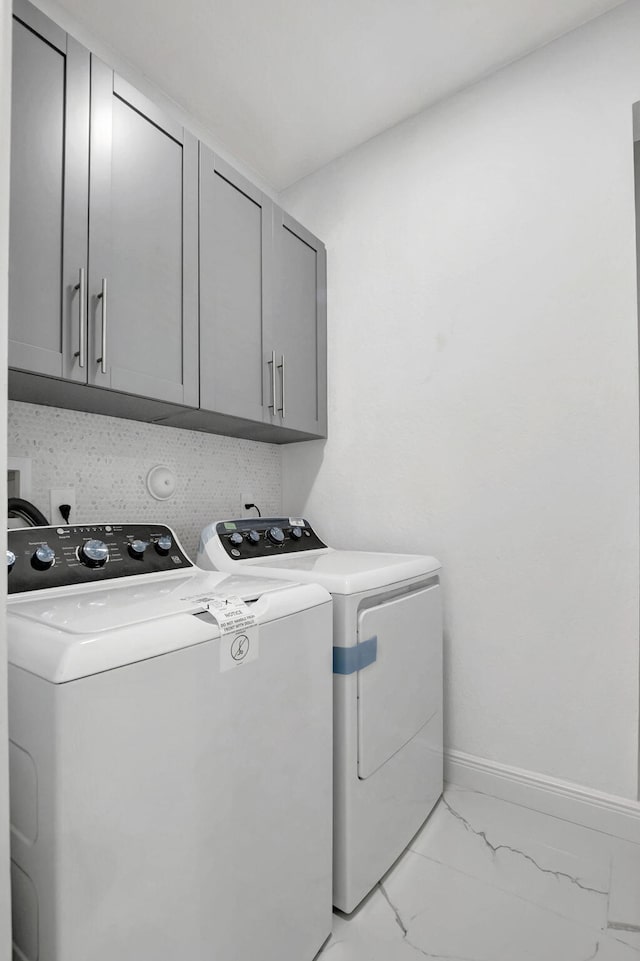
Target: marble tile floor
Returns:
[[486, 880]]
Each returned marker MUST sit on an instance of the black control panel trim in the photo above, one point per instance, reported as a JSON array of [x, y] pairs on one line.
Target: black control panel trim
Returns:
[[266, 546], [70, 568]]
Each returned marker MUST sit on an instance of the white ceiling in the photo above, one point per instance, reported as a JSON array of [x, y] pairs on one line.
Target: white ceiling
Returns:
[[288, 85]]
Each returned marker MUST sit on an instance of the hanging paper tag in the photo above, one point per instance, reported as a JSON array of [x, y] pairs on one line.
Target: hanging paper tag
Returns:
[[238, 631]]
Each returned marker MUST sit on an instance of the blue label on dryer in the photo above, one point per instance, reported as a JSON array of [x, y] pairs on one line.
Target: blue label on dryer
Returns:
[[348, 660]]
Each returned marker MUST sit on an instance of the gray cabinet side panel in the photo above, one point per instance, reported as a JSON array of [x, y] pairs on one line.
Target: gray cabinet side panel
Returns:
[[37, 192], [297, 323], [321, 338], [99, 211], [190, 335], [231, 296], [76, 203]]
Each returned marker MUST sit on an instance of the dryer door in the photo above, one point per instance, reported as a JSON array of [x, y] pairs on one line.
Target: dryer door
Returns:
[[402, 689]]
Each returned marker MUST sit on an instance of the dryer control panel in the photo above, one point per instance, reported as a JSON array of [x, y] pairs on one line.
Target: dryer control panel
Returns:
[[266, 537], [44, 557]]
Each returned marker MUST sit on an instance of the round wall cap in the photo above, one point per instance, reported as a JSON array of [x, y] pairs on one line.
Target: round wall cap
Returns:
[[161, 482]]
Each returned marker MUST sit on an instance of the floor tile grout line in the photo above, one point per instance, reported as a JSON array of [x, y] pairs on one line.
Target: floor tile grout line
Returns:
[[627, 926]]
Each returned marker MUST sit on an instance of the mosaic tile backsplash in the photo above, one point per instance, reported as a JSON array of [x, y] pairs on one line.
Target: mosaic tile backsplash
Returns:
[[107, 460]]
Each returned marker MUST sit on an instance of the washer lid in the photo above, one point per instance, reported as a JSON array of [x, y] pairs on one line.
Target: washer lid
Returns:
[[344, 572], [109, 608], [68, 634]]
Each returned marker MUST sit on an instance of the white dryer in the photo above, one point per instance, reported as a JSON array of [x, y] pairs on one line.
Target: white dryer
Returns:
[[170, 753], [387, 663]]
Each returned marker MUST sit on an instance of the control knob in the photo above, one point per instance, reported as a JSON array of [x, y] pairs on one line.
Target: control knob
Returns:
[[164, 545], [276, 535], [236, 539], [11, 559], [296, 533], [43, 557], [94, 553], [137, 549], [253, 537]]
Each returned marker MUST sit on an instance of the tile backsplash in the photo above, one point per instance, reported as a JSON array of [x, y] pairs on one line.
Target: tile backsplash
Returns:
[[107, 460]]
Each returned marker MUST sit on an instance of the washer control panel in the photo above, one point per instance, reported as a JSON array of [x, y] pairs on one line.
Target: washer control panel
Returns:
[[266, 537], [44, 557]]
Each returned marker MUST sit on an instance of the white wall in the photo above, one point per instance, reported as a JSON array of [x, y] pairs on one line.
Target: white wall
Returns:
[[484, 397], [5, 75]]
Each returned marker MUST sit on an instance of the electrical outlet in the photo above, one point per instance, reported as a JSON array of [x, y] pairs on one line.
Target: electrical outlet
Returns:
[[247, 499], [62, 495]]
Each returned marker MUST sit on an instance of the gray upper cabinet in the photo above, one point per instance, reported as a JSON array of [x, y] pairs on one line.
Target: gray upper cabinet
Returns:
[[147, 278], [262, 314], [143, 242], [235, 273], [296, 338], [103, 235], [49, 195]]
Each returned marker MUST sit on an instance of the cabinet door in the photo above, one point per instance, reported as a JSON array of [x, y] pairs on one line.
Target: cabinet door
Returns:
[[49, 197], [298, 336], [143, 308], [235, 244]]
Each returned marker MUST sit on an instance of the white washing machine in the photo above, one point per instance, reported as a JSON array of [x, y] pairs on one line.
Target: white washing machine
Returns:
[[387, 683], [170, 750]]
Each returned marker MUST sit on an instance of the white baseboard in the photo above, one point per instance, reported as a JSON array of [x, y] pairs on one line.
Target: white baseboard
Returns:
[[561, 799]]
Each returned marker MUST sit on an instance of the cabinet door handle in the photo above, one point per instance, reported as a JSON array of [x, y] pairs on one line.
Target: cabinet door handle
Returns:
[[272, 364], [81, 287], [103, 297], [282, 409]]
